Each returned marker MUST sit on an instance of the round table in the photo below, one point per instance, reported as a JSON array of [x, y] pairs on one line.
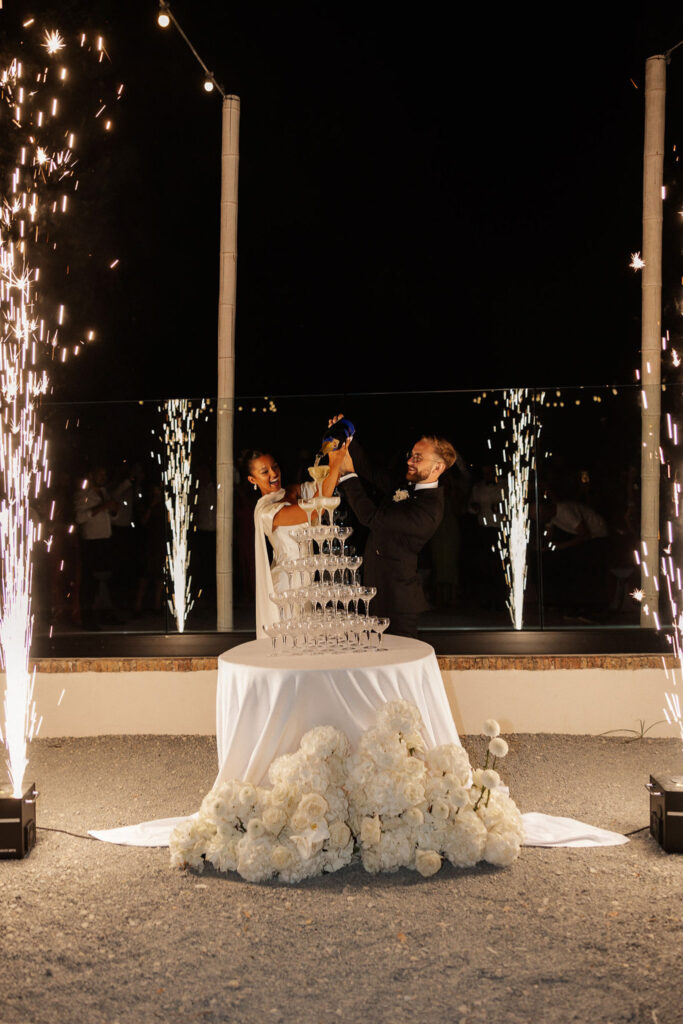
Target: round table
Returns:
[[265, 703]]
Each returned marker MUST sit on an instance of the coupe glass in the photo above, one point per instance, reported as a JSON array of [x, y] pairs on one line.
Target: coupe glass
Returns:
[[329, 505], [373, 635], [279, 600], [308, 505], [297, 633], [316, 635], [366, 595], [354, 625], [381, 623], [354, 563], [343, 533], [275, 632], [364, 635]]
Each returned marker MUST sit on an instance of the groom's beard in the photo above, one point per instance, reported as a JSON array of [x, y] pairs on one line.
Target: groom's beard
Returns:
[[415, 475]]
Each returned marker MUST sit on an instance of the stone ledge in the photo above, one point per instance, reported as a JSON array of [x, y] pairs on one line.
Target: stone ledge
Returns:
[[553, 662], [52, 665], [447, 663]]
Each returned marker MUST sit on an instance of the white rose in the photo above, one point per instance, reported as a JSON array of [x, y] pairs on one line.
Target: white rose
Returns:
[[464, 842], [458, 797], [312, 806], [427, 862], [247, 794], [449, 759], [440, 809], [222, 852], [187, 845], [498, 747], [436, 787], [502, 848], [370, 831], [399, 716], [274, 818], [285, 797], [340, 834], [324, 741], [254, 857], [414, 766], [256, 828], [491, 727], [282, 857], [396, 849], [413, 792]]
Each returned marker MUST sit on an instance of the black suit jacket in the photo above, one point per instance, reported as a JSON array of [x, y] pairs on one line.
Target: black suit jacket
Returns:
[[398, 532]]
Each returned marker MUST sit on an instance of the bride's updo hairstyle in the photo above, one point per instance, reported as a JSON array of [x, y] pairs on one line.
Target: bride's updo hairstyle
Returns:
[[247, 459]]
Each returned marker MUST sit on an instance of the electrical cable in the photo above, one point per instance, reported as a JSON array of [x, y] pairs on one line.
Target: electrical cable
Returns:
[[635, 831], [76, 835]]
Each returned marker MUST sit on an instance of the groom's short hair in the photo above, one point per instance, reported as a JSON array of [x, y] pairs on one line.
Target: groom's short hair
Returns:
[[443, 448]]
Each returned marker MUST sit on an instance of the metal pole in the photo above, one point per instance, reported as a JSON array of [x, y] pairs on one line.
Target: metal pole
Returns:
[[226, 363], [651, 331]]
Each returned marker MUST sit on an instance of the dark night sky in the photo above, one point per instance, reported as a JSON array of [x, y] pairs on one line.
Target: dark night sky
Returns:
[[425, 202]]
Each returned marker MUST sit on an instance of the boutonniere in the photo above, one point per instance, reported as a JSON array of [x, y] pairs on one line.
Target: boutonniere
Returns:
[[401, 495]]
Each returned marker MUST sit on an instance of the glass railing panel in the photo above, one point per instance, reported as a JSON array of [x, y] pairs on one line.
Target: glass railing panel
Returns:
[[105, 568], [589, 509], [586, 453]]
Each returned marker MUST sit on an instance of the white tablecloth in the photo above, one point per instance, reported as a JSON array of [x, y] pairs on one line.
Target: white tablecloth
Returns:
[[265, 704]]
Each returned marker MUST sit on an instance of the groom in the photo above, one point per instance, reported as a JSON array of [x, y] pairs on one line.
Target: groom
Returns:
[[400, 525]]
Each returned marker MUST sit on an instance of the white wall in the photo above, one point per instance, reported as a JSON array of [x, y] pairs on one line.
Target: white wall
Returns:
[[115, 703], [560, 701], [573, 701]]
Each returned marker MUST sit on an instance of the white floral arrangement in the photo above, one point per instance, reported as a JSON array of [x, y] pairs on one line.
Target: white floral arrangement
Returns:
[[401, 495], [395, 803]]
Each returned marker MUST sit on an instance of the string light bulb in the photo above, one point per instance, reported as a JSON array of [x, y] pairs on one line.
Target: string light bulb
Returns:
[[163, 18], [208, 84]]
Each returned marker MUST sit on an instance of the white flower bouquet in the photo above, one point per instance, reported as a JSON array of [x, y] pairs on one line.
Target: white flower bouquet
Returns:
[[397, 804]]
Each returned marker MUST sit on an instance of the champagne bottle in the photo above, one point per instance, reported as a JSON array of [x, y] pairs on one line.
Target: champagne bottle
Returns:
[[335, 436]]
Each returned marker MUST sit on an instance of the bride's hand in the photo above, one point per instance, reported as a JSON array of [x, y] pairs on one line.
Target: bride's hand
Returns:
[[335, 419]]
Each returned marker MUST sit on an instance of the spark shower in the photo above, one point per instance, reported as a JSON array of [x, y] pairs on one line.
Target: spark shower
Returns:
[[38, 186]]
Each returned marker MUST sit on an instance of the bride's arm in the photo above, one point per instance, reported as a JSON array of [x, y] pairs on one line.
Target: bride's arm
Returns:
[[340, 462], [289, 515]]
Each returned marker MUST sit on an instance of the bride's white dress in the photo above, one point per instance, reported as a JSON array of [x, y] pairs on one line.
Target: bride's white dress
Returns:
[[540, 829], [271, 578]]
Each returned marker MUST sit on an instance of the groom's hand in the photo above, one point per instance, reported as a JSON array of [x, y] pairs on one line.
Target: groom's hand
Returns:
[[341, 459], [335, 419]]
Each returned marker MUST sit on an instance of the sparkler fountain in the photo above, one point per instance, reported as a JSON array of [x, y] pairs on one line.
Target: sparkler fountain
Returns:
[[37, 190], [518, 459], [179, 423]]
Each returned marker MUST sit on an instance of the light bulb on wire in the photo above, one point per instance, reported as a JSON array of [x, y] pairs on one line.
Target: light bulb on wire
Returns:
[[208, 84], [163, 18]]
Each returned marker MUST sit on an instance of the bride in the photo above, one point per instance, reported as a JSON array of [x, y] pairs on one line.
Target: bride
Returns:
[[277, 515]]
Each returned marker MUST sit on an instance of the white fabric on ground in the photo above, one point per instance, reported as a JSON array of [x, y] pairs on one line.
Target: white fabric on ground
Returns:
[[548, 830]]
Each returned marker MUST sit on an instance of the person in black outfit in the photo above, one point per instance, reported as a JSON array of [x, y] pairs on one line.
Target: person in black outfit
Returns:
[[400, 523]]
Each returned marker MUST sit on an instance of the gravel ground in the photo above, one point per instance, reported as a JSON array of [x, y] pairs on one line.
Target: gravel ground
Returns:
[[100, 933]]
